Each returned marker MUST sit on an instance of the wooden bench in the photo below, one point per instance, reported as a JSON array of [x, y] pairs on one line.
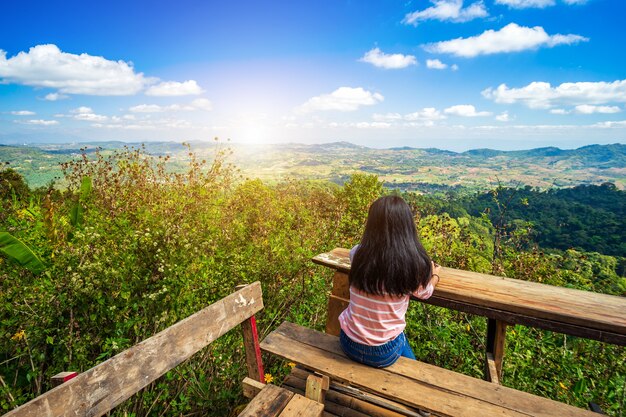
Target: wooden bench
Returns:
[[503, 301], [412, 383]]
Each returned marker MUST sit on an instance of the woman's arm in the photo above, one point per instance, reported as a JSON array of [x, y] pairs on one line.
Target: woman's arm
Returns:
[[424, 293], [434, 276]]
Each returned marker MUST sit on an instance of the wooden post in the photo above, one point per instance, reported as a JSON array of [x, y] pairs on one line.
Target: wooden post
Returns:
[[316, 387], [254, 362], [62, 377], [337, 302], [496, 336]]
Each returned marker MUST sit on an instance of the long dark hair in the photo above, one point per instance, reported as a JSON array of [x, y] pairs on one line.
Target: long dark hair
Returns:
[[390, 259]]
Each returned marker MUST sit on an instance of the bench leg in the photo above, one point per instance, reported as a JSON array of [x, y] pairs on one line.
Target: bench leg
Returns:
[[496, 336]]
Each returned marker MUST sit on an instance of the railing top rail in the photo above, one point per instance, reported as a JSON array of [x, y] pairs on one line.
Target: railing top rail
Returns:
[[556, 308]]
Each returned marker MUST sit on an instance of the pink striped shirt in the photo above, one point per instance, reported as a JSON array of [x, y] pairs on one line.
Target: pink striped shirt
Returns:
[[376, 319]]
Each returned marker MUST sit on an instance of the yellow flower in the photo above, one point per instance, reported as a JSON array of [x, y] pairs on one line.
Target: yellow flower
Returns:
[[468, 327], [291, 365], [269, 378], [562, 386], [19, 335]]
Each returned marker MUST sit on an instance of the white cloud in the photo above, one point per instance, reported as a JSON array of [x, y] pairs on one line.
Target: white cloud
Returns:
[[447, 10], [504, 117], [538, 4], [559, 111], [55, 97], [39, 122], [147, 108], [342, 99], [22, 113], [84, 113], [436, 64], [47, 66], [173, 89], [511, 38], [465, 110], [541, 95], [589, 109], [454, 67], [427, 113], [197, 104], [91, 117], [610, 124], [525, 4], [81, 110], [202, 104], [388, 61]]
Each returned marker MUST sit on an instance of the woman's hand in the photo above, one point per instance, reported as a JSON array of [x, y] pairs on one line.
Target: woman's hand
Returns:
[[434, 276]]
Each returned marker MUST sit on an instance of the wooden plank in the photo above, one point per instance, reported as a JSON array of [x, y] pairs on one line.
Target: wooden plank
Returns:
[[100, 389], [302, 406], [270, 402], [413, 383], [251, 387], [581, 308]]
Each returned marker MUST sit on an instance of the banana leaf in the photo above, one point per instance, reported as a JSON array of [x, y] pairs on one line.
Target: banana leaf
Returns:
[[17, 251]]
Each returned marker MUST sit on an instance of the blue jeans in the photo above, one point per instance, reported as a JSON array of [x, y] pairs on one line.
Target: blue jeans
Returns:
[[376, 356]]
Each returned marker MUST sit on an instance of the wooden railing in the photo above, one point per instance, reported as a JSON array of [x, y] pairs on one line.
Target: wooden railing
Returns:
[[502, 301], [98, 390]]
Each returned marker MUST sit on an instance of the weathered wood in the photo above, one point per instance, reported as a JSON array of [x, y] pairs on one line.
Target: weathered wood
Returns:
[[341, 285], [491, 373], [413, 383], [300, 406], [100, 389], [270, 402], [335, 306], [350, 397], [337, 412], [62, 377], [254, 363], [516, 318], [316, 387], [516, 301], [251, 387], [496, 338]]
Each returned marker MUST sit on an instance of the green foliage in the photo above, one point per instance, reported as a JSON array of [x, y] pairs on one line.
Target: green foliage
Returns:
[[587, 217], [154, 245], [76, 213], [357, 194]]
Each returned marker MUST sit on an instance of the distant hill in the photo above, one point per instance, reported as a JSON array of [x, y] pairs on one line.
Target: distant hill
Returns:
[[406, 168]]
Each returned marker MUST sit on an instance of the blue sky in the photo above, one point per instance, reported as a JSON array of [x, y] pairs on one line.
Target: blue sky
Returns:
[[453, 74]]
